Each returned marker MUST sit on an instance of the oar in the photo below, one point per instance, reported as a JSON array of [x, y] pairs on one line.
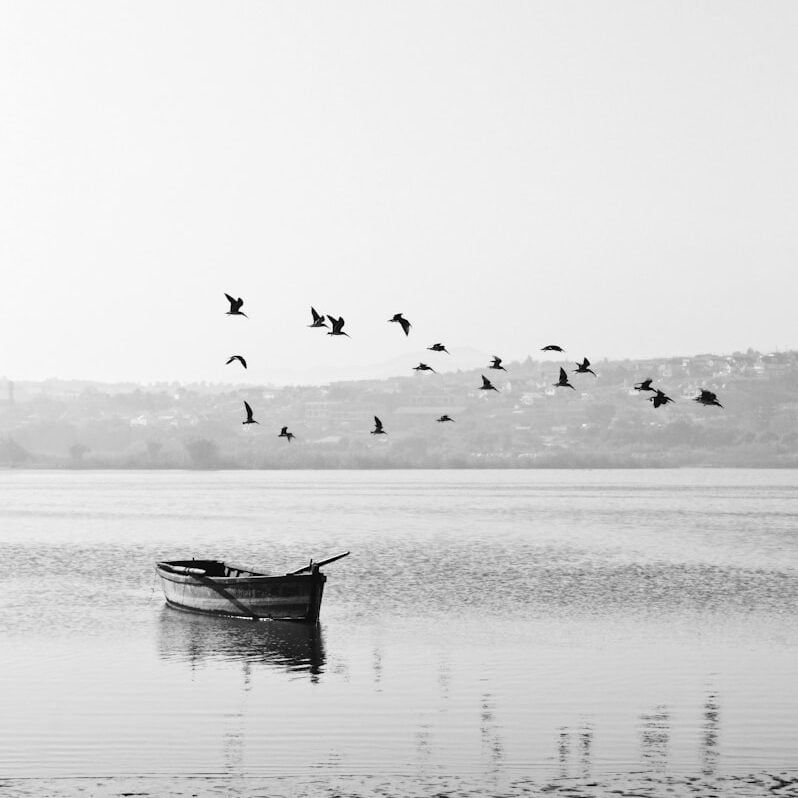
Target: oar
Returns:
[[316, 565]]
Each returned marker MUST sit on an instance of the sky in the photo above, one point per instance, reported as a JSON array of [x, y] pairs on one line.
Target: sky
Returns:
[[619, 178]]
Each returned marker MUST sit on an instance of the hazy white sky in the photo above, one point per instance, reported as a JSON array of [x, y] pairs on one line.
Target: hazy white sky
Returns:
[[617, 177]]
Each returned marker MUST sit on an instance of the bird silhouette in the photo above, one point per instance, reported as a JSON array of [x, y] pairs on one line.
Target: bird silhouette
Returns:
[[235, 307], [284, 433], [497, 364], [438, 348], [487, 385], [444, 417], [249, 420], [552, 348], [659, 398], [707, 398], [403, 321], [378, 430], [584, 368], [238, 358], [337, 326], [424, 367], [318, 319], [563, 381], [644, 386]]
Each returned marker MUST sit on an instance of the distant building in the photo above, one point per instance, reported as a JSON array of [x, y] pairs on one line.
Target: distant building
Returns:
[[429, 410], [334, 413]]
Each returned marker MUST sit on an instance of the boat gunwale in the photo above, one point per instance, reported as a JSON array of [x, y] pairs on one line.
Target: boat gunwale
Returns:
[[172, 576]]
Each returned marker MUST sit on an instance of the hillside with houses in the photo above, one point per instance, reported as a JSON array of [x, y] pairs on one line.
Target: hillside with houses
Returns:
[[528, 423]]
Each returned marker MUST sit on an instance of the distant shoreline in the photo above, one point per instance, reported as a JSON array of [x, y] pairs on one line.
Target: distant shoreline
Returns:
[[605, 422], [574, 467]]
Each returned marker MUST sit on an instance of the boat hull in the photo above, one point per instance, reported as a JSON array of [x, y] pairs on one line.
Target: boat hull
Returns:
[[294, 597]]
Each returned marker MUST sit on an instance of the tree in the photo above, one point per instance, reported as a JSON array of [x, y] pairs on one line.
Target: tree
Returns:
[[204, 453], [76, 452], [11, 453]]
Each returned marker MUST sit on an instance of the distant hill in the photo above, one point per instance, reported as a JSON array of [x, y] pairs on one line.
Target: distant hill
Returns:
[[458, 359], [604, 422]]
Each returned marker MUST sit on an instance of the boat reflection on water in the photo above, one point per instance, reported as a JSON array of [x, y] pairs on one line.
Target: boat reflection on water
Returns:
[[286, 645]]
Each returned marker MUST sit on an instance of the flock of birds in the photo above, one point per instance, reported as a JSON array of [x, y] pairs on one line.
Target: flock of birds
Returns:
[[659, 398]]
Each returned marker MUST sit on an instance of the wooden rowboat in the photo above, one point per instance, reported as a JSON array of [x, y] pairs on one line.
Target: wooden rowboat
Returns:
[[215, 587]]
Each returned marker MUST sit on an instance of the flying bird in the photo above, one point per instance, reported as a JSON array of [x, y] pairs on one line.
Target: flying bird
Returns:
[[487, 385], [284, 433], [249, 420], [584, 368], [563, 382], [378, 430], [424, 367], [552, 348], [444, 417], [403, 321], [235, 307], [659, 398], [318, 319], [337, 326], [438, 348], [238, 358], [644, 386], [497, 364], [708, 398]]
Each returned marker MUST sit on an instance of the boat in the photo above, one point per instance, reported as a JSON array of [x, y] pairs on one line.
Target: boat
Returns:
[[216, 587]]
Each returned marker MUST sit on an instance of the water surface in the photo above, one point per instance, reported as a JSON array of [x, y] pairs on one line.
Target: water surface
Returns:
[[488, 625]]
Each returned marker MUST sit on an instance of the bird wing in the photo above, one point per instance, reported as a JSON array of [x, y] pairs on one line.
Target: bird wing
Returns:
[[231, 300], [230, 361], [248, 409], [377, 423], [563, 375], [284, 431], [243, 362], [316, 316], [405, 325], [585, 362], [486, 382]]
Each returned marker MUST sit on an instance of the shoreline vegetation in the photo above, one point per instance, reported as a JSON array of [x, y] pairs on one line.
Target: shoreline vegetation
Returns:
[[604, 423]]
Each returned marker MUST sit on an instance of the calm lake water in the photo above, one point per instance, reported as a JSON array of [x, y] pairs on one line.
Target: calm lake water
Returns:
[[488, 625]]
